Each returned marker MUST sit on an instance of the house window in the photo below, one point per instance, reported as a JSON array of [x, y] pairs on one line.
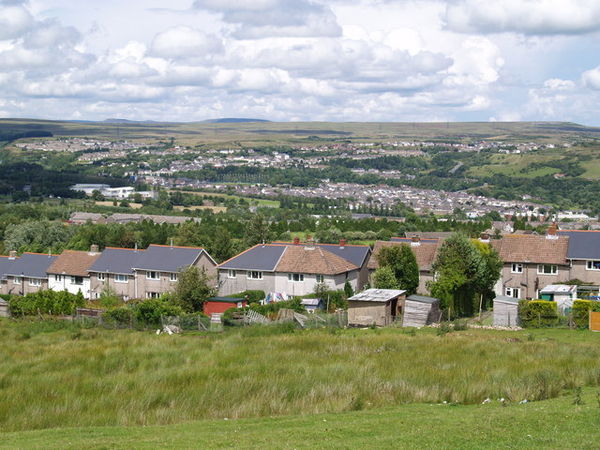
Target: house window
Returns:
[[151, 275], [295, 277], [547, 269], [101, 276], [17, 280], [231, 273], [320, 278], [255, 275], [173, 277], [512, 292], [152, 295], [516, 268], [121, 279], [35, 282], [593, 265], [77, 280], [57, 277]]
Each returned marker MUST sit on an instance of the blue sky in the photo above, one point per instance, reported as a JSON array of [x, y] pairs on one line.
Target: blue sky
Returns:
[[292, 60]]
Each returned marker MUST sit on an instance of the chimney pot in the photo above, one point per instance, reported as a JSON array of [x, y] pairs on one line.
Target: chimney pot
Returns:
[[342, 243], [484, 237], [415, 241], [12, 254], [296, 241], [94, 248]]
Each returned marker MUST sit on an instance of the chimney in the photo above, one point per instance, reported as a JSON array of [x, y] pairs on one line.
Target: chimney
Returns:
[[551, 233], [310, 243], [342, 243], [296, 240], [94, 249], [12, 254], [415, 241], [484, 237]]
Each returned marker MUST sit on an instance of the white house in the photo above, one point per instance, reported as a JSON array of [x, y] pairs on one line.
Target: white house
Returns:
[[69, 271]]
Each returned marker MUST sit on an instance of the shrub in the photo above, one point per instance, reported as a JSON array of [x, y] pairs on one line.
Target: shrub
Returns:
[[121, 316], [581, 311], [150, 311], [253, 296], [46, 302], [538, 313]]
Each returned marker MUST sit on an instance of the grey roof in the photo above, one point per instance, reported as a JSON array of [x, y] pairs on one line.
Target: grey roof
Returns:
[[558, 289], [167, 259], [117, 260], [377, 295], [311, 301], [583, 244], [409, 240], [506, 299], [356, 254], [5, 265], [259, 257], [422, 299], [32, 265]]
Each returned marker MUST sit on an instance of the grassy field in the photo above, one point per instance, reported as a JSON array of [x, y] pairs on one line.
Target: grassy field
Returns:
[[59, 375], [252, 201], [556, 423]]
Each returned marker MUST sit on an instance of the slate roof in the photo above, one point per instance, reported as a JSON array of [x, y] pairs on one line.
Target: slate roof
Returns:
[[165, 258], [532, 249], [263, 257], [72, 262], [32, 265], [117, 260], [356, 254], [313, 259], [424, 253], [5, 265], [377, 295], [582, 244]]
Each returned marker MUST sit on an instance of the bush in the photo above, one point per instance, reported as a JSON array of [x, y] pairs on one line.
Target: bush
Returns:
[[120, 317], [538, 313], [46, 302], [253, 296], [581, 312], [150, 311]]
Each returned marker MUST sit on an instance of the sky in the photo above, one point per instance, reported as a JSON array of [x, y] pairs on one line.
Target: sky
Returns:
[[301, 60]]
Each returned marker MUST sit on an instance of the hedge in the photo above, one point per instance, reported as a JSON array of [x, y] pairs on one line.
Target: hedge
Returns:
[[538, 313], [46, 302], [581, 311]]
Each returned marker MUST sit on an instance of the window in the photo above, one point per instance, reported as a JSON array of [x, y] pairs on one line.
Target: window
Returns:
[[231, 273], [77, 280], [151, 275], [512, 292], [101, 276], [152, 295], [593, 265], [320, 278], [35, 282], [173, 277], [254, 275], [17, 280], [547, 269], [516, 268], [121, 278], [295, 277], [57, 277]]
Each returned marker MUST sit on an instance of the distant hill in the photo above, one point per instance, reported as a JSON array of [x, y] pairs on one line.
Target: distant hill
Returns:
[[112, 120], [233, 120]]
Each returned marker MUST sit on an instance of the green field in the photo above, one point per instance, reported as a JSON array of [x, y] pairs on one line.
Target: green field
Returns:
[[278, 381]]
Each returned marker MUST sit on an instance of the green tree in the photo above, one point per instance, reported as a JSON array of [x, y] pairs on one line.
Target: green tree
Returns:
[[402, 261], [257, 230], [348, 291], [193, 288], [222, 247], [384, 278]]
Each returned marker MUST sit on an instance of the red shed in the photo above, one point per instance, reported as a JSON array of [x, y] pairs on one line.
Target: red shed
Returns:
[[221, 304]]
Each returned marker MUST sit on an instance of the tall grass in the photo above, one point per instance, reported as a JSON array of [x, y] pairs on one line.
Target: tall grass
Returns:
[[61, 375]]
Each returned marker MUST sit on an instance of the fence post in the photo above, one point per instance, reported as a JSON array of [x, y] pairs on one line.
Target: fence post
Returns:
[[539, 320]]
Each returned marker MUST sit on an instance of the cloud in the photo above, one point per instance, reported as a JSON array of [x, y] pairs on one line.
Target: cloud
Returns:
[[183, 42], [591, 78], [256, 19], [533, 17], [14, 20]]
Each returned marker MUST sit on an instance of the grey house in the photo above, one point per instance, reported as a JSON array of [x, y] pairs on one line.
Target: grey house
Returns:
[[583, 254], [25, 274]]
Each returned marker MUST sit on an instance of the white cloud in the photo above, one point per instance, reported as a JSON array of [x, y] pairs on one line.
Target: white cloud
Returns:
[[184, 42], [14, 21], [591, 78]]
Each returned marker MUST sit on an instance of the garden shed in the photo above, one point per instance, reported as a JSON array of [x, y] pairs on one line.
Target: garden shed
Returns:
[[4, 311], [420, 310], [375, 307], [506, 311], [562, 294], [218, 305]]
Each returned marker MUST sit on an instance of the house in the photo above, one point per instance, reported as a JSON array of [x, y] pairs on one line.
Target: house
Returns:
[[70, 271], [26, 274], [80, 218], [584, 255], [531, 262], [506, 311], [375, 307], [294, 269], [158, 267], [218, 305], [425, 251], [113, 271], [420, 311]]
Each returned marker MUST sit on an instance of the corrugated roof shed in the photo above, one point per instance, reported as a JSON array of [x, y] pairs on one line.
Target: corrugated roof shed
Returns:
[[582, 244], [422, 299], [377, 295]]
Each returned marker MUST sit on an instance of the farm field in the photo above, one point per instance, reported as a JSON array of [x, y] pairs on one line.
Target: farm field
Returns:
[[59, 375]]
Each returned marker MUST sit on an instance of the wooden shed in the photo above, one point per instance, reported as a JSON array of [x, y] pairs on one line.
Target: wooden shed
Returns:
[[375, 307], [420, 310], [4, 310], [506, 311]]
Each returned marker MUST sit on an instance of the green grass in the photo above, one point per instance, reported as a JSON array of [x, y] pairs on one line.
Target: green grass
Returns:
[[57, 375], [557, 423]]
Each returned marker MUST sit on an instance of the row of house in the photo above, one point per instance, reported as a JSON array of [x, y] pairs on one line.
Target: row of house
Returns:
[[130, 273]]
